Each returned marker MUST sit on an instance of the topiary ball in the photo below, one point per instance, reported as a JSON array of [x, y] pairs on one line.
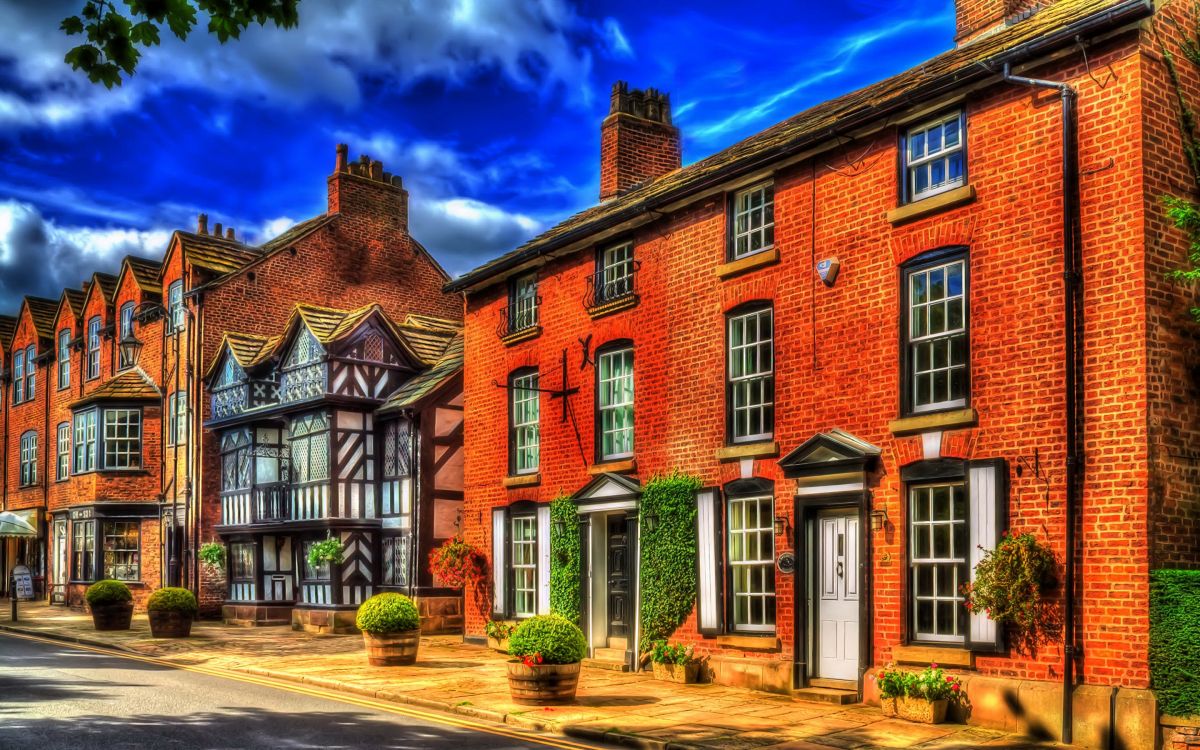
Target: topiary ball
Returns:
[[173, 599], [102, 593], [388, 613], [556, 638]]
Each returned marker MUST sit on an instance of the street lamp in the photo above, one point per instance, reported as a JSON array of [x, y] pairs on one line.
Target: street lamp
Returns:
[[130, 346]]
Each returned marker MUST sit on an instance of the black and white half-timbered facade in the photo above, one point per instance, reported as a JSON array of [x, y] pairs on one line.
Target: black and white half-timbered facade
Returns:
[[346, 425]]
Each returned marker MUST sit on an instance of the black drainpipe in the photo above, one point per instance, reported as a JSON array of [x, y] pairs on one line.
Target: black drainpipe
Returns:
[[1072, 331]]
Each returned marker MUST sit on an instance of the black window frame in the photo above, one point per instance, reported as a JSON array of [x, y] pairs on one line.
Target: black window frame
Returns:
[[515, 325], [100, 457], [83, 568], [102, 544], [917, 264], [904, 191], [748, 308], [731, 212], [742, 490]]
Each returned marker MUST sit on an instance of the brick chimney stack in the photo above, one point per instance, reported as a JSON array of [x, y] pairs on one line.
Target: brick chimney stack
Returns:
[[638, 143], [977, 18], [363, 186]]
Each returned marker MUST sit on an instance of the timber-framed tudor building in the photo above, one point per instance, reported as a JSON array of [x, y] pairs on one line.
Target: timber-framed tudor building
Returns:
[[881, 334]]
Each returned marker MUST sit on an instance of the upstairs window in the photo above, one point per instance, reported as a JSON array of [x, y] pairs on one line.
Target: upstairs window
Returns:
[[523, 303], [309, 440], [524, 422], [937, 337], [64, 358], [29, 459], [85, 441], [753, 221], [18, 375], [93, 348], [397, 449], [614, 277], [235, 460], [750, 384], [176, 312], [63, 467], [177, 418], [122, 438], [614, 403], [30, 373], [934, 157], [125, 330]]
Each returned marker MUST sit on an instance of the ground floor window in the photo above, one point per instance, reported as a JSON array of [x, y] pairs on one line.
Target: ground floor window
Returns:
[[122, 548], [939, 546], [395, 560], [751, 537], [524, 566], [83, 550], [241, 561]]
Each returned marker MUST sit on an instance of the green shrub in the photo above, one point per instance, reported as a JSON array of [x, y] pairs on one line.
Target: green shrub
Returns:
[[102, 593], [498, 629], [173, 599], [212, 554], [555, 638], [931, 683], [668, 571], [388, 613], [564, 559], [1175, 640], [665, 653]]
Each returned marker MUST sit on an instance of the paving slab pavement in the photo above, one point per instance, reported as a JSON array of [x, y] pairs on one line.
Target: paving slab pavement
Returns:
[[628, 709]]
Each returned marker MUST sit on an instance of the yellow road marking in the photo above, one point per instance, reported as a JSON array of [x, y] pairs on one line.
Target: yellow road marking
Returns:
[[386, 707]]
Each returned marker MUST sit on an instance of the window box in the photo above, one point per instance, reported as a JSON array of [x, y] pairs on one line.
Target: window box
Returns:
[[749, 263]]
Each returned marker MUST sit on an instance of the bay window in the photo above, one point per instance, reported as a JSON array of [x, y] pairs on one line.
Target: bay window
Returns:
[[108, 439]]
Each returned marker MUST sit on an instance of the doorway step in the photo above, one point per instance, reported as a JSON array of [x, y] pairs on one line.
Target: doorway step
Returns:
[[824, 690], [611, 658]]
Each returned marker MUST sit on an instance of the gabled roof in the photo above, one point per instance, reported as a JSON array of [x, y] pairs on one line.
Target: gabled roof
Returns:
[[42, 312], [247, 349], [8, 326], [269, 248], [608, 486], [1049, 28], [73, 297], [131, 385], [215, 254], [145, 273], [330, 325], [107, 284], [428, 382], [826, 451]]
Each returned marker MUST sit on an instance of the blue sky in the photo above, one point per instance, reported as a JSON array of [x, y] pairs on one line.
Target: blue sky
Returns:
[[489, 110]]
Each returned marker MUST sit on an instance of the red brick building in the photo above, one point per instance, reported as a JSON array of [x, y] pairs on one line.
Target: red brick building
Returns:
[[881, 333], [104, 404]]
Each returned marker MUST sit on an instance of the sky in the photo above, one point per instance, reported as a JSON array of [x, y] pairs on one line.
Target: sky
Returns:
[[489, 110]]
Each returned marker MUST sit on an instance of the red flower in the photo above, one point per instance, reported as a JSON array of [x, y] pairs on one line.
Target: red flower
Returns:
[[949, 678], [954, 687], [933, 665]]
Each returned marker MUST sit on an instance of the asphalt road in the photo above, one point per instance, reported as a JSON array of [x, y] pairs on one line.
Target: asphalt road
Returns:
[[56, 696]]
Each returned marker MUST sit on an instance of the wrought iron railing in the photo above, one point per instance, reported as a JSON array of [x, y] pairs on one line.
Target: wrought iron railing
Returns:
[[514, 320], [606, 287], [272, 502]]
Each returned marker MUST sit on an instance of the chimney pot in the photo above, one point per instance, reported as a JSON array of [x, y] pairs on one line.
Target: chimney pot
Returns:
[[217, 230], [229, 233], [202, 224], [339, 164], [638, 143]]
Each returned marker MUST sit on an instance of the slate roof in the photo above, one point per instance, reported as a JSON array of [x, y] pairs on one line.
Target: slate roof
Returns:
[[107, 283], [131, 385], [74, 298], [8, 326], [145, 273], [215, 254], [42, 311], [420, 386], [1057, 24]]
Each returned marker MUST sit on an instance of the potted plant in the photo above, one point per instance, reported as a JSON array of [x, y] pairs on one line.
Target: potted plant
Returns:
[[918, 696], [674, 663], [391, 628], [1008, 587], [498, 632], [111, 605], [324, 552], [171, 611], [212, 554], [548, 649], [456, 564]]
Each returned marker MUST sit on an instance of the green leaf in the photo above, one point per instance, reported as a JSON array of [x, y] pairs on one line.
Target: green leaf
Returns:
[[144, 33], [72, 25]]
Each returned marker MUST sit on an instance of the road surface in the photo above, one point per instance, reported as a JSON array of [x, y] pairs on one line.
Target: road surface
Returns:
[[59, 696]]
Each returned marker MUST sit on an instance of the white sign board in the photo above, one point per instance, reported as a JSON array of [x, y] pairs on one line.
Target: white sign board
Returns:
[[24, 582]]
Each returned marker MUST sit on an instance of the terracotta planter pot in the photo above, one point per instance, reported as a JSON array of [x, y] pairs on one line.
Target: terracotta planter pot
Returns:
[[542, 684], [922, 710], [498, 644], [112, 616], [682, 673], [392, 649], [169, 624]]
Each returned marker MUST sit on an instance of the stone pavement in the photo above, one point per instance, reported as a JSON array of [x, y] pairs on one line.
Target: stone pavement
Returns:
[[628, 709]]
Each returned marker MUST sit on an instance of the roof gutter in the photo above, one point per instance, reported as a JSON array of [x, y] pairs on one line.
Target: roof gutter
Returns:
[[1125, 12]]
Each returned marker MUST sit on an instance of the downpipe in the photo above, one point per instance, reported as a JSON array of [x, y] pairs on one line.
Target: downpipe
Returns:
[[1072, 332]]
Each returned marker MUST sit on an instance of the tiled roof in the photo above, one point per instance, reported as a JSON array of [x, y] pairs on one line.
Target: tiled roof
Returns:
[[215, 254], [427, 343], [420, 386], [8, 326], [436, 324], [74, 298], [939, 75], [247, 349], [107, 283], [295, 233], [42, 311], [145, 273], [131, 385]]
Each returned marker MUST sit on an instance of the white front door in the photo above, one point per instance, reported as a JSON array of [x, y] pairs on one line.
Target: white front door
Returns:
[[837, 596]]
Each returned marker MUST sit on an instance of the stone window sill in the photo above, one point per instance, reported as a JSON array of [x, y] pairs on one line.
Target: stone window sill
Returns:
[[522, 335], [943, 420], [932, 205], [944, 656], [615, 306], [627, 466], [523, 480], [764, 449], [749, 642], [749, 263]]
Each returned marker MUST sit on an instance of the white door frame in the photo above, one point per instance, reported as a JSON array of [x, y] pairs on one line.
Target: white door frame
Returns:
[[849, 580]]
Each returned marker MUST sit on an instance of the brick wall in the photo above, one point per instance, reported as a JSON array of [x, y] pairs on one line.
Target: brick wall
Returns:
[[974, 17], [637, 141]]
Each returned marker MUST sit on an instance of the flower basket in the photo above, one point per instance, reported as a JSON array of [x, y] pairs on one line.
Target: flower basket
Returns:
[[921, 710], [392, 649], [116, 616], [917, 696], [542, 684], [889, 707], [682, 673]]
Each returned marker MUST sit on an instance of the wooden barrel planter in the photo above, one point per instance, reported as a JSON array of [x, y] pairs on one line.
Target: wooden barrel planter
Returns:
[[165, 624], [112, 616], [392, 649], [542, 684]]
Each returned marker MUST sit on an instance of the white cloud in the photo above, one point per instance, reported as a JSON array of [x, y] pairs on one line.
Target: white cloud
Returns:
[[541, 46]]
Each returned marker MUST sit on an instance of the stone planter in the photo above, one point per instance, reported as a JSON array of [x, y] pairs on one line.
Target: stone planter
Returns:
[[498, 644], [542, 684], [915, 709], [169, 624], [392, 649], [682, 673], [112, 616]]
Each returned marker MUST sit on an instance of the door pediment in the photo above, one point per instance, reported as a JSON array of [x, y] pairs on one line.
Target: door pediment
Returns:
[[606, 488]]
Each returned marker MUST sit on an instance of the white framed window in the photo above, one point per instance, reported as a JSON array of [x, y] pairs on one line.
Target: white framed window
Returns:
[[63, 459], [524, 566], [751, 535], [753, 221], [614, 373], [176, 312], [616, 273], [177, 418], [122, 438], [64, 358], [18, 375], [937, 336], [751, 376], [85, 441], [30, 373], [938, 550], [29, 458], [93, 348], [934, 156], [124, 330], [523, 303], [525, 430]]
